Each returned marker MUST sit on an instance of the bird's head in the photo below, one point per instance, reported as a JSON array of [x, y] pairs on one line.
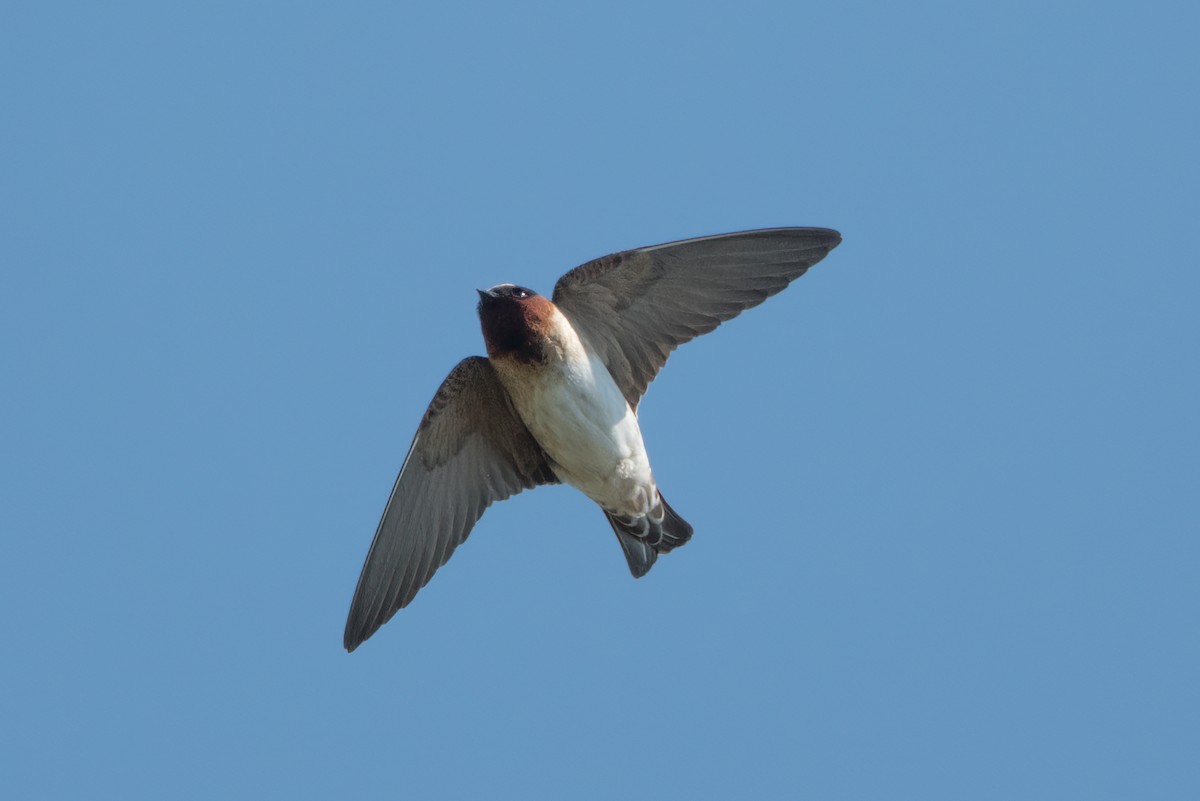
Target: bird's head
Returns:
[[504, 294], [515, 321]]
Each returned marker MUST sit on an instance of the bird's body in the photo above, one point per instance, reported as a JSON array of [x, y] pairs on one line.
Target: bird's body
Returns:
[[573, 408], [556, 401]]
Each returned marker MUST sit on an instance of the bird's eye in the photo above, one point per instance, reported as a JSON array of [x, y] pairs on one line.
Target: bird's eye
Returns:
[[520, 294]]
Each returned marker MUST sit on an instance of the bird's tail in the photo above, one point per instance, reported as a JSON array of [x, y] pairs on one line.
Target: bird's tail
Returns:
[[644, 538]]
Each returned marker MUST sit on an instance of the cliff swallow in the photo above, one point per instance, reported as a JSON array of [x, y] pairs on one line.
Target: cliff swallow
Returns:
[[556, 401]]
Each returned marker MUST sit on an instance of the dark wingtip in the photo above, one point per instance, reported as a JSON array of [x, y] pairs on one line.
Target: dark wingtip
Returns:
[[351, 640], [357, 632], [825, 237]]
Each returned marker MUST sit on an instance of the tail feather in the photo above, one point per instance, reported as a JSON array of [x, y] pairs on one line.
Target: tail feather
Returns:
[[675, 530], [638, 553], [644, 538]]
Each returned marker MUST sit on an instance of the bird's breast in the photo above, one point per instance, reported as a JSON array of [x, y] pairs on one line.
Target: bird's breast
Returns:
[[578, 415]]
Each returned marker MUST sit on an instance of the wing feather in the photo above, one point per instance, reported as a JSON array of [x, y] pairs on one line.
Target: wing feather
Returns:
[[635, 307], [470, 450]]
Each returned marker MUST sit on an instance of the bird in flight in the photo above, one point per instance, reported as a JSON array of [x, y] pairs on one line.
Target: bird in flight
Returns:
[[556, 399]]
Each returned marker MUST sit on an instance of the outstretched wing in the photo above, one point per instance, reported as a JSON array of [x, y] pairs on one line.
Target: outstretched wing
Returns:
[[471, 449], [637, 306]]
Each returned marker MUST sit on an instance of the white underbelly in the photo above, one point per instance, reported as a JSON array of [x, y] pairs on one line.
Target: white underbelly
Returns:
[[580, 418]]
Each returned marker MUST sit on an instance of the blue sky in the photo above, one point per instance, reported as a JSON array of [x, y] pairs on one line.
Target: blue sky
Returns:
[[944, 487]]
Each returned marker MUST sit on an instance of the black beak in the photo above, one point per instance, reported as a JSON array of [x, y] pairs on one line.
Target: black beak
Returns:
[[486, 294]]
